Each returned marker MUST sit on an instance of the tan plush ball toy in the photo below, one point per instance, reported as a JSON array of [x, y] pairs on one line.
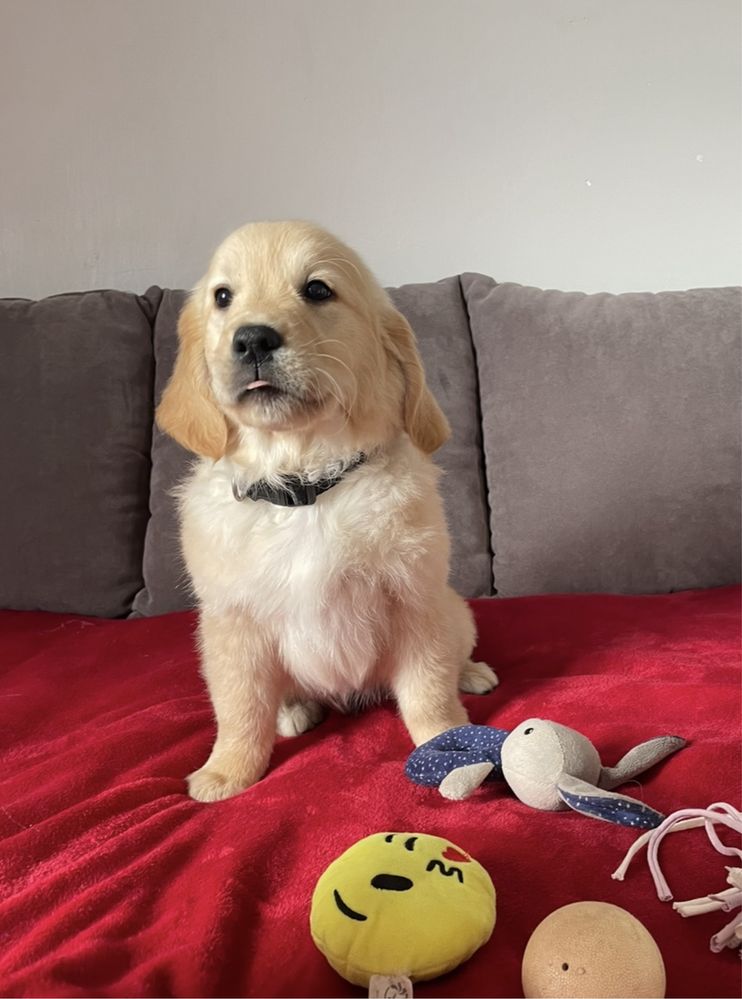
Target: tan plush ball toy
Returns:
[[592, 949]]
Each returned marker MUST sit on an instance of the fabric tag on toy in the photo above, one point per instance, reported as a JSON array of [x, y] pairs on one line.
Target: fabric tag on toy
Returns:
[[389, 986]]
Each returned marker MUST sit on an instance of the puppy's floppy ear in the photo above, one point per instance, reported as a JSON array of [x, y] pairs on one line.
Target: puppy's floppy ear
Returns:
[[188, 410], [423, 418]]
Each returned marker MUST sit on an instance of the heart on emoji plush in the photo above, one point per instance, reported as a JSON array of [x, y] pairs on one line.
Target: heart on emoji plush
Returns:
[[451, 853]]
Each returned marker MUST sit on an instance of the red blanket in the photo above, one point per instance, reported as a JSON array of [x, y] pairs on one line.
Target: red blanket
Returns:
[[114, 883]]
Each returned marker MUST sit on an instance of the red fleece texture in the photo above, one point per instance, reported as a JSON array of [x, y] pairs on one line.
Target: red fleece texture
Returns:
[[114, 883]]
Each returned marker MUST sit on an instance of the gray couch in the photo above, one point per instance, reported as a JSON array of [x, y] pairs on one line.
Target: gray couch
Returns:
[[595, 442]]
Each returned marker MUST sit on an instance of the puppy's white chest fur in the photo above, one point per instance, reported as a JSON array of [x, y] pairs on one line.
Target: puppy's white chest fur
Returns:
[[320, 579]]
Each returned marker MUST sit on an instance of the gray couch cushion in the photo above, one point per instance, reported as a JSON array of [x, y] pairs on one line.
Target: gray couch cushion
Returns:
[[437, 314], [75, 435], [165, 585], [611, 434]]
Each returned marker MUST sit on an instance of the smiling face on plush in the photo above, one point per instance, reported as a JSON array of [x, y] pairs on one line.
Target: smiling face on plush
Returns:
[[401, 903]]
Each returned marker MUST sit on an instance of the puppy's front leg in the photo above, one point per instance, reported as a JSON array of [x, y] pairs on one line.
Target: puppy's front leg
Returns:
[[241, 672], [425, 673]]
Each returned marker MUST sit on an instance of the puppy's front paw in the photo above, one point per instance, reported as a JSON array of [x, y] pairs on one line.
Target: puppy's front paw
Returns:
[[212, 784], [477, 678], [298, 716]]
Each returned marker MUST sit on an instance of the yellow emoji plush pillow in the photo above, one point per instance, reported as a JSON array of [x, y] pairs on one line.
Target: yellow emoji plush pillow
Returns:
[[401, 904]]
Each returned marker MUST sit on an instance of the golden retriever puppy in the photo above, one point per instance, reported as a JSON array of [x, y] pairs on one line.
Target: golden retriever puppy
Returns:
[[312, 527]]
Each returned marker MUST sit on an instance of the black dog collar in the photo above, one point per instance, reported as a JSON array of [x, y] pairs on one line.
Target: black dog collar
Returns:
[[293, 491]]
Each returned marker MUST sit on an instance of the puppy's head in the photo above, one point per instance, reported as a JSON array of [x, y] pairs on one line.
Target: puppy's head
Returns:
[[289, 331]]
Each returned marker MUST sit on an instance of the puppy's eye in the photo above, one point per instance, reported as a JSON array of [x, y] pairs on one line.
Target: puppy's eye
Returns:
[[316, 291], [222, 297]]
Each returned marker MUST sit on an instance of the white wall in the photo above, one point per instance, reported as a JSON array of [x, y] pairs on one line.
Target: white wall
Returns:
[[578, 144]]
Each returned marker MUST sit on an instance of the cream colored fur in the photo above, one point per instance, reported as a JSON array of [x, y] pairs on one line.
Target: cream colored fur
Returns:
[[345, 597]]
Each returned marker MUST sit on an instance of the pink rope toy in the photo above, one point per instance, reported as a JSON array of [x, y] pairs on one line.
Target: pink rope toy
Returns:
[[731, 898]]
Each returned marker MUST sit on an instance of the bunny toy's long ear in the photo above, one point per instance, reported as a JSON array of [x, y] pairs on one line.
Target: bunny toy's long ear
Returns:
[[606, 805], [639, 759], [454, 749]]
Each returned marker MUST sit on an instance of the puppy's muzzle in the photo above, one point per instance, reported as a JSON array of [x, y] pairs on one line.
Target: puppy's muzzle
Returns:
[[255, 344]]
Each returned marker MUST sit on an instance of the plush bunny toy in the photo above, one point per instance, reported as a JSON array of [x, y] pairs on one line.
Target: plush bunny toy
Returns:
[[546, 765]]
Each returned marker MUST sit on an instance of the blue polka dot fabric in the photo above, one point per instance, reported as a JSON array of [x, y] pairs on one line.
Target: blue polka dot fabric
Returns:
[[614, 808], [458, 747]]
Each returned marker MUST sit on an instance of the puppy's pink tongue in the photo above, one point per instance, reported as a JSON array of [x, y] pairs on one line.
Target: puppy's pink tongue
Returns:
[[258, 384]]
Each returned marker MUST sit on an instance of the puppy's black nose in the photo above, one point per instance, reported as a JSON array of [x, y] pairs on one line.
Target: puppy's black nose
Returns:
[[255, 343]]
